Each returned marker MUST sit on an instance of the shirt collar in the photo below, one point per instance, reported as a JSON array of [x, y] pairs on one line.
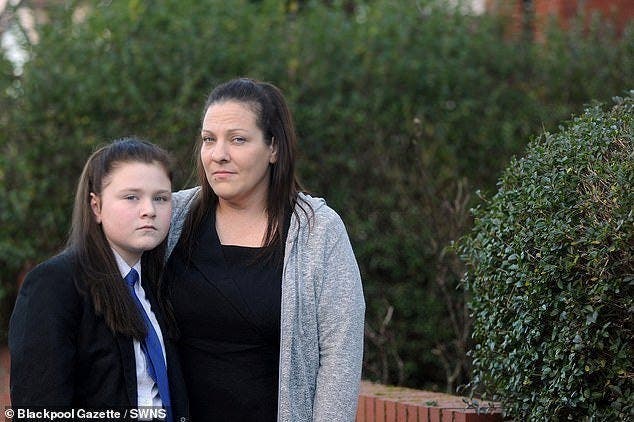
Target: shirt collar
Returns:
[[124, 268]]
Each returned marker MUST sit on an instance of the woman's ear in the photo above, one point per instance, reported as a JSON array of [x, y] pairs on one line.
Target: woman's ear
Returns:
[[95, 205], [273, 148]]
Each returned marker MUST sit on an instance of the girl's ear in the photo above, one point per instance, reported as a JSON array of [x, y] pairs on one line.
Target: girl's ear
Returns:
[[273, 148], [95, 205]]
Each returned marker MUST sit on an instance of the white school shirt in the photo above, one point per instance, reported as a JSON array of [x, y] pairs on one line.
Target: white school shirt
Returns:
[[147, 390]]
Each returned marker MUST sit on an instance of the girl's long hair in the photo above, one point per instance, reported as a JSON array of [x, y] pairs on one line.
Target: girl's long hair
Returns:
[[95, 260]]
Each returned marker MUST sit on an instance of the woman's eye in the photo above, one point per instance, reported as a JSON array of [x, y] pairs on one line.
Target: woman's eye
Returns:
[[239, 140], [207, 139], [130, 197], [161, 198]]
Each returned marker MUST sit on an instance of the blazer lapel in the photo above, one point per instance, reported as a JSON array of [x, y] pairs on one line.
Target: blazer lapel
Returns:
[[128, 363]]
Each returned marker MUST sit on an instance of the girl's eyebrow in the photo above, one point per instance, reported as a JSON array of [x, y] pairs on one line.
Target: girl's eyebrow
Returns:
[[140, 190]]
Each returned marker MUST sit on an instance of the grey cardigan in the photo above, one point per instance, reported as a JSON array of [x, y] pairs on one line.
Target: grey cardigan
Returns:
[[321, 340]]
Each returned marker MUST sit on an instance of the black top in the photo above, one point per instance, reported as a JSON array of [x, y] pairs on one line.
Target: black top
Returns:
[[227, 304]]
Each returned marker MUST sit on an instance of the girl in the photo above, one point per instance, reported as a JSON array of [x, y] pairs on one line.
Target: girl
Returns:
[[87, 330]]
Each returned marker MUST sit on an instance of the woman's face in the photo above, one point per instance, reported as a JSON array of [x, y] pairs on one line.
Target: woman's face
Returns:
[[234, 154]]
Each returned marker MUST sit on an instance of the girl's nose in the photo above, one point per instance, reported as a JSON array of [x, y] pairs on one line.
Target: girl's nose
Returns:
[[147, 208]]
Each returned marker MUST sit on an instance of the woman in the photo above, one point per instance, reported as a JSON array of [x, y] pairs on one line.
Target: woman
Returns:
[[262, 278], [87, 331]]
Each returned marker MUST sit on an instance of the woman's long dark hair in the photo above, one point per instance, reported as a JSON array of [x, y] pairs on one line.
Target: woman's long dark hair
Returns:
[[94, 257], [274, 119]]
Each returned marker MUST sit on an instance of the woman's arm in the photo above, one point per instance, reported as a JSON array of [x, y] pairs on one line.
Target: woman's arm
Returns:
[[341, 310], [42, 337]]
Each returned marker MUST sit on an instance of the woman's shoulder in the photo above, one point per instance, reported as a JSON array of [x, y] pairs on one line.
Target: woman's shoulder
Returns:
[[181, 203], [316, 211], [182, 200]]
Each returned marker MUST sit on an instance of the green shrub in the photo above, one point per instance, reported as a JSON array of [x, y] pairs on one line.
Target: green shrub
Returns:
[[551, 270], [13, 249]]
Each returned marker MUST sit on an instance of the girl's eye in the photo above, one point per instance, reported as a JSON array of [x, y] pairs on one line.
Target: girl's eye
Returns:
[[130, 197], [207, 139]]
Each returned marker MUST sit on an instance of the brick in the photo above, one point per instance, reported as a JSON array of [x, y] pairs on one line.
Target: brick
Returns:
[[401, 412], [379, 410], [5, 365], [471, 415], [446, 415], [490, 417], [412, 412], [423, 414], [361, 409], [461, 417], [435, 414], [369, 409], [390, 411]]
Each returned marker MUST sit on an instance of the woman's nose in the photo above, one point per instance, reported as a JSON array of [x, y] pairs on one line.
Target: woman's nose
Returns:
[[220, 153]]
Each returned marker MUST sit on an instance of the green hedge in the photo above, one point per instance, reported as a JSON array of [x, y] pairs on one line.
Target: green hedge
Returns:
[[551, 271], [403, 109]]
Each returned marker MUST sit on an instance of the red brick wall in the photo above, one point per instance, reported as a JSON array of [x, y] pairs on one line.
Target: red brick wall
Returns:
[[380, 403], [619, 12], [4, 378]]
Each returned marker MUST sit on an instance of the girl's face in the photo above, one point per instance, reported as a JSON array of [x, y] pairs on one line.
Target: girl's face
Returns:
[[235, 155], [134, 208]]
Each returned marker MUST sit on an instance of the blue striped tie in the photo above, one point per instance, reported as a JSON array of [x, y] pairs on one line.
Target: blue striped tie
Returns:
[[152, 349]]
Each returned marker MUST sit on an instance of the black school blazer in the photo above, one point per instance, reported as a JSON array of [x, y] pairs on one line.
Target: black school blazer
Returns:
[[62, 354]]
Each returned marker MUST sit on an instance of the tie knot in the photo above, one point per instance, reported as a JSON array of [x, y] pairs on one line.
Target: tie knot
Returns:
[[132, 277]]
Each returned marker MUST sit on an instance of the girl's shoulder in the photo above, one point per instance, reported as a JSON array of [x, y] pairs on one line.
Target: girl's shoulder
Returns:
[[57, 276], [48, 302], [63, 263]]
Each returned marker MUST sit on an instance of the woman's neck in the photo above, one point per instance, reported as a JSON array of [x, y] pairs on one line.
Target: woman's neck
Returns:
[[241, 226]]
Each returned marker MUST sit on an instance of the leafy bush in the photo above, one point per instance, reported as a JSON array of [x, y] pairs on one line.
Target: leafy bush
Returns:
[[403, 108], [551, 271]]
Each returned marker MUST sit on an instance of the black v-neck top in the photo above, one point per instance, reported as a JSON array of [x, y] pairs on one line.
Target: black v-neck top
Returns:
[[227, 304]]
